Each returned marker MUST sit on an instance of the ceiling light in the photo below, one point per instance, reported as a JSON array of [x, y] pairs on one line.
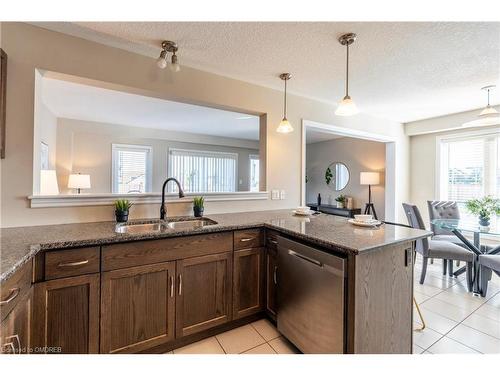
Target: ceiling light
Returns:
[[489, 116], [168, 46], [347, 107], [285, 126]]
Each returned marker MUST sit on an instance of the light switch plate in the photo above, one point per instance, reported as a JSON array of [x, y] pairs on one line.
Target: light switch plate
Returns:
[[282, 194], [275, 194]]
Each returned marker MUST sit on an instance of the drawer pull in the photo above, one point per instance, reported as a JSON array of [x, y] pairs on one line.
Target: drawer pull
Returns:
[[274, 242], [247, 239], [73, 264], [12, 296]]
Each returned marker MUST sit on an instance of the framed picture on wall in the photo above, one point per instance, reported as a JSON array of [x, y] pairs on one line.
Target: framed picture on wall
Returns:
[[44, 156], [3, 100]]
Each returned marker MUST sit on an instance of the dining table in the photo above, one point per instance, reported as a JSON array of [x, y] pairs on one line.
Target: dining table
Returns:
[[465, 228]]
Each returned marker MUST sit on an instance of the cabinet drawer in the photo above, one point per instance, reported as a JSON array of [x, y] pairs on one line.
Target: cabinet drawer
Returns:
[[64, 263], [140, 253], [12, 290], [246, 239]]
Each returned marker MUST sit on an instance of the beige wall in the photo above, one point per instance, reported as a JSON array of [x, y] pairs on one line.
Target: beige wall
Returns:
[[423, 158], [30, 47], [358, 155], [92, 143]]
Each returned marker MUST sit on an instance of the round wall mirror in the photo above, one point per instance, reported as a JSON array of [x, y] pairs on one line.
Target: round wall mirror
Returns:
[[337, 176]]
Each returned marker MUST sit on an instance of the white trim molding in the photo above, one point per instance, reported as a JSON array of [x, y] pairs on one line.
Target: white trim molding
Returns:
[[75, 200]]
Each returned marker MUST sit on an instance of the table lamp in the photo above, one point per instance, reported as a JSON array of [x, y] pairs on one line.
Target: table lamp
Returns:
[[79, 181], [369, 178], [48, 182]]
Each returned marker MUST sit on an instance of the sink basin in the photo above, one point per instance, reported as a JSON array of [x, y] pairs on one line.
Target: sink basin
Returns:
[[152, 226]]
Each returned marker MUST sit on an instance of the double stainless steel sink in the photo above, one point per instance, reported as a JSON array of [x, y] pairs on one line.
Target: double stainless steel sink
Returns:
[[153, 226]]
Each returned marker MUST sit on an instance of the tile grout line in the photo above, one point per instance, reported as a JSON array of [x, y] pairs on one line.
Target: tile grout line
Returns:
[[218, 342]]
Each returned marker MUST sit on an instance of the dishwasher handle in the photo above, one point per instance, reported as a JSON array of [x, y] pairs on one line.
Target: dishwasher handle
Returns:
[[307, 259]]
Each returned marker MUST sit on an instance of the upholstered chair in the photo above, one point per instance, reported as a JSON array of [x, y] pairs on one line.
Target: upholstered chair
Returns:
[[489, 263], [429, 248]]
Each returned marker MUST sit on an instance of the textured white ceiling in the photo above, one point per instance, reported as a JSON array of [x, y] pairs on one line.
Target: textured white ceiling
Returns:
[[89, 103], [400, 71]]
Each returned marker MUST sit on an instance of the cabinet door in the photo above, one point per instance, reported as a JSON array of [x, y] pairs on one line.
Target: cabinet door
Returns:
[[203, 293], [137, 308], [67, 315], [271, 287], [248, 286], [15, 329]]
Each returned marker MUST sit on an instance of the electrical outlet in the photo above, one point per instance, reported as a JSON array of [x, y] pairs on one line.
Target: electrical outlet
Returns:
[[282, 194], [275, 194]]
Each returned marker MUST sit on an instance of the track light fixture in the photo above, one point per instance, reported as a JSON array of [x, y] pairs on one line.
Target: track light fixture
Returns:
[[168, 46]]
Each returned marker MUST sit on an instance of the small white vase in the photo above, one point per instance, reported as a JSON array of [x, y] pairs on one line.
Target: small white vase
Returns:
[[340, 205]]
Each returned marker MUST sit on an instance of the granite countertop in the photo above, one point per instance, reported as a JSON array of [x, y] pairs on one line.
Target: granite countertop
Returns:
[[19, 245]]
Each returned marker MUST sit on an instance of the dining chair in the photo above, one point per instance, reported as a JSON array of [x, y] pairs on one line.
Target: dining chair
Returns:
[[429, 248], [444, 210], [489, 263]]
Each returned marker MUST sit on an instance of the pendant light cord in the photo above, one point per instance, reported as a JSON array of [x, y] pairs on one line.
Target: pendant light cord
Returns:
[[347, 72], [284, 105]]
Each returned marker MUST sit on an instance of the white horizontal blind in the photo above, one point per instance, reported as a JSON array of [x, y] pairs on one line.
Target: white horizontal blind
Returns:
[[203, 171], [470, 167], [131, 169]]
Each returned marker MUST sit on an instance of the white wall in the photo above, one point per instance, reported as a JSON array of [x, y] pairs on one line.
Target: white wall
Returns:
[[30, 47], [91, 144], [358, 155]]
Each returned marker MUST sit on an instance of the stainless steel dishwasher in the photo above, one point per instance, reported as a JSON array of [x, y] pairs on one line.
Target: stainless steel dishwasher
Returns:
[[310, 297]]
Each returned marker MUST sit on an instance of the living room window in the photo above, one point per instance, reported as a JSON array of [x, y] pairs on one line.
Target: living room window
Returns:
[[203, 171], [469, 167], [131, 166]]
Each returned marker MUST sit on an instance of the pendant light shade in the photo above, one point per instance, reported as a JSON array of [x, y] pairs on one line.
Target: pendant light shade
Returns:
[[489, 116], [285, 126], [347, 107]]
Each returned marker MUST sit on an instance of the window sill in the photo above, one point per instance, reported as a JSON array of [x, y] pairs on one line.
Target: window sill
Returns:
[[75, 200]]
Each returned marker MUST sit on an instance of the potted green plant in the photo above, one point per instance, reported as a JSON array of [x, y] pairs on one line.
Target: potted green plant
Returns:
[[122, 207], [340, 201], [198, 206], [484, 208]]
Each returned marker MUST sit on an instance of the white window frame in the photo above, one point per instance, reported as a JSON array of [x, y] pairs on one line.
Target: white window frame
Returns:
[[115, 147], [440, 179], [206, 152], [250, 158]]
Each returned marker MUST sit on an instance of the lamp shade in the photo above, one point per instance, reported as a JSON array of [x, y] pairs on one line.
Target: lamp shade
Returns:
[[369, 178], [284, 127], [79, 181], [347, 107], [48, 182]]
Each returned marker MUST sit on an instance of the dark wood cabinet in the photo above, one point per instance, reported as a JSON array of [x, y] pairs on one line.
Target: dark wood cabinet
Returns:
[[248, 285], [15, 329], [203, 293], [66, 315], [271, 282], [137, 308]]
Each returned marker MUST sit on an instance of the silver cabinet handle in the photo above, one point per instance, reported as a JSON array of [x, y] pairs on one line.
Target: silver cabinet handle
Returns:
[[274, 242], [180, 284], [307, 259], [14, 292], [172, 286], [73, 264], [275, 276], [247, 239], [15, 337], [9, 345]]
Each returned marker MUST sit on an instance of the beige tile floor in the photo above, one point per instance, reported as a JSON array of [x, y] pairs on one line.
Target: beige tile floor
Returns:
[[260, 337], [457, 322]]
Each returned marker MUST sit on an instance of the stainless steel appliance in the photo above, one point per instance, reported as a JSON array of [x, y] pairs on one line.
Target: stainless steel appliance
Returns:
[[310, 297]]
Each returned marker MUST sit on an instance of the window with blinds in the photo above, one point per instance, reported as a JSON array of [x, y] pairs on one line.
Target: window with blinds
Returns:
[[203, 171], [470, 167], [131, 169]]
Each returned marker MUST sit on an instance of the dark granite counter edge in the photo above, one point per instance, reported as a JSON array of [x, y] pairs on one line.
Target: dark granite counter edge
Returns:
[[34, 249]]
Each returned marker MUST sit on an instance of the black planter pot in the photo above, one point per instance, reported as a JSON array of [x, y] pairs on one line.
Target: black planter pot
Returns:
[[484, 221], [121, 216], [198, 211]]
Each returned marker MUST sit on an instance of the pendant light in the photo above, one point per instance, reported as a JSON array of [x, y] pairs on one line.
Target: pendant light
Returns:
[[285, 126], [489, 116], [347, 107]]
